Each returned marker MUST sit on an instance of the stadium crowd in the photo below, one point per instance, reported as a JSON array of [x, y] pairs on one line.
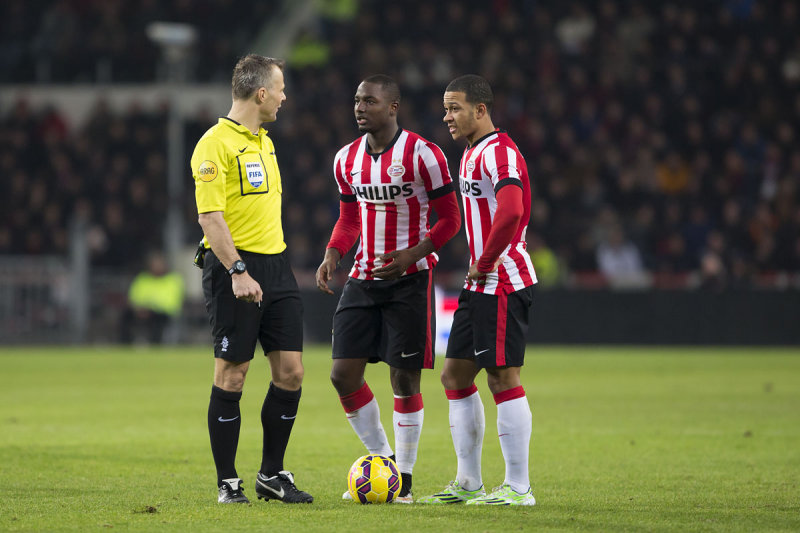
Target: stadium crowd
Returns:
[[661, 138]]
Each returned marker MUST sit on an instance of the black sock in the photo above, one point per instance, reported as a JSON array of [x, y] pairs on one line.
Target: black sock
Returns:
[[224, 421], [406, 488], [277, 418]]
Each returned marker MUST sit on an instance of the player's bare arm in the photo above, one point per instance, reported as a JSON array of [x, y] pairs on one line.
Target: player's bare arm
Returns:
[[219, 237], [327, 268]]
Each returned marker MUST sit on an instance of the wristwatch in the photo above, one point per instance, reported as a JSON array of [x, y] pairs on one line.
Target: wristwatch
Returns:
[[238, 267]]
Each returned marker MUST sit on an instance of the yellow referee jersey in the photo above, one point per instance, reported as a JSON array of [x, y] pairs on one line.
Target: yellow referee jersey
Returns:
[[237, 173]]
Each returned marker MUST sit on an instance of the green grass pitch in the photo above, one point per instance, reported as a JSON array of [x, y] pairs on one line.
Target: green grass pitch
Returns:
[[625, 439]]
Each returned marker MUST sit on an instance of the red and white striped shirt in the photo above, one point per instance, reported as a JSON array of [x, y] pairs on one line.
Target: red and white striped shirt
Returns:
[[493, 162], [392, 189]]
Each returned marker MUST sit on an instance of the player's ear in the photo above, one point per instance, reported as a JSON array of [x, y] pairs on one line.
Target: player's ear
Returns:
[[393, 107], [480, 110], [261, 95]]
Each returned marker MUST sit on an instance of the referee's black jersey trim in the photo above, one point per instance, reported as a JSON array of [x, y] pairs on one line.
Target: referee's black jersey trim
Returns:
[[441, 191], [507, 181], [228, 118], [347, 198]]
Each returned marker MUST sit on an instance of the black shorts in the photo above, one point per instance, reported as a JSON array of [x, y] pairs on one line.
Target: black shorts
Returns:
[[236, 325], [391, 321], [491, 328]]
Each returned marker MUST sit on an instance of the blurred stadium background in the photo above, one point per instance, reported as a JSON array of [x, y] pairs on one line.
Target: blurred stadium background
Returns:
[[661, 137]]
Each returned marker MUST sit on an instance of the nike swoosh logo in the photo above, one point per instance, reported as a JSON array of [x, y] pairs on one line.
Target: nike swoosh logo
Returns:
[[407, 425], [288, 417], [278, 493], [227, 419], [404, 355], [503, 434], [354, 172], [477, 353], [242, 150]]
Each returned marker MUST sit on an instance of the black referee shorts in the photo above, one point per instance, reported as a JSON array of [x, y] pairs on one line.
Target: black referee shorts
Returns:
[[491, 329], [236, 325], [387, 320]]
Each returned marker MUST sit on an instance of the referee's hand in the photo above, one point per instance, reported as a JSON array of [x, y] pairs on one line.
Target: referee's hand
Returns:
[[246, 288]]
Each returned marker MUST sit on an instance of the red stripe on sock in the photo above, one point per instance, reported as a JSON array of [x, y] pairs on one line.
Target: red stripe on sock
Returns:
[[409, 404], [460, 394], [358, 399], [510, 394]]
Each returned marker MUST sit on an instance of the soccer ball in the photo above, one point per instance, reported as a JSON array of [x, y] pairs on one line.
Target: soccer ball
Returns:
[[374, 479]]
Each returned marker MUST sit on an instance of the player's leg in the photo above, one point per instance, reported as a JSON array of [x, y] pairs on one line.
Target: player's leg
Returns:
[[356, 337], [234, 326], [407, 420], [408, 333], [467, 423], [513, 412], [514, 424], [360, 405], [281, 336]]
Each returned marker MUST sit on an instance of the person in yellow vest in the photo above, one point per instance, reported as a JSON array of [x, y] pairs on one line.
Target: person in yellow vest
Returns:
[[250, 292], [155, 298]]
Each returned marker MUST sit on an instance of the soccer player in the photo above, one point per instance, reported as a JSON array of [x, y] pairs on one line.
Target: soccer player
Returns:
[[491, 320], [249, 289], [388, 180]]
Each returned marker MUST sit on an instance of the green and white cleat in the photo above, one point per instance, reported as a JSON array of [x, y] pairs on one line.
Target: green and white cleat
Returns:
[[505, 495], [453, 493]]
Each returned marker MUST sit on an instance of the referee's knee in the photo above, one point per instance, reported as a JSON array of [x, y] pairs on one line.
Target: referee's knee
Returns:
[[289, 379]]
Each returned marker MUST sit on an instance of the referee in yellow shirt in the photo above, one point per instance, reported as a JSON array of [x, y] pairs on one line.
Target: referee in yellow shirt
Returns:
[[250, 292]]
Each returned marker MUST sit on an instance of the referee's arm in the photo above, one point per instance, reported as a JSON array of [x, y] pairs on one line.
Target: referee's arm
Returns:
[[219, 237]]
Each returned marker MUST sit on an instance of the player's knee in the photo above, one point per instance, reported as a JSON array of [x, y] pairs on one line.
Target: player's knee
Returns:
[[345, 382], [405, 382], [447, 380]]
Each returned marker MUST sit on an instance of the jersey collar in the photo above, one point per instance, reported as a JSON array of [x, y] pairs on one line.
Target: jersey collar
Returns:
[[240, 127], [388, 146], [495, 132]]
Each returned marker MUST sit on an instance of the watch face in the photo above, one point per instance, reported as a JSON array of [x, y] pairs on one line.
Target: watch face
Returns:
[[238, 267]]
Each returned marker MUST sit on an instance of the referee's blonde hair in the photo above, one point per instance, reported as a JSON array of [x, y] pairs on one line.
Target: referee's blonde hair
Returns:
[[252, 72]]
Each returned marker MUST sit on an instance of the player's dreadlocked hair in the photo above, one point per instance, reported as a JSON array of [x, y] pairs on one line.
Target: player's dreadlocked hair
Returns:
[[388, 85], [252, 72], [475, 88]]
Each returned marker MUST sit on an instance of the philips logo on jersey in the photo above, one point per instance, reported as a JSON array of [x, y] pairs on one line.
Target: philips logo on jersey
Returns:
[[255, 174], [383, 192]]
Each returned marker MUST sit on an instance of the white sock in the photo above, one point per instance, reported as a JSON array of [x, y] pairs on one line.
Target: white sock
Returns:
[[364, 415], [467, 425], [514, 423], [407, 420]]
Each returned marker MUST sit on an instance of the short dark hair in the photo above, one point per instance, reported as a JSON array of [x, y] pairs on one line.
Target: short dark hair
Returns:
[[252, 72], [389, 86], [475, 88]]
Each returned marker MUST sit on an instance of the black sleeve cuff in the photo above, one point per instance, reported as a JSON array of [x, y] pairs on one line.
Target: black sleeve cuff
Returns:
[[441, 191], [347, 198], [507, 181]]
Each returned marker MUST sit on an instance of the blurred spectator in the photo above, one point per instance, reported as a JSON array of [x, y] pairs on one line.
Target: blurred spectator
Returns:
[[155, 300], [619, 260], [545, 262]]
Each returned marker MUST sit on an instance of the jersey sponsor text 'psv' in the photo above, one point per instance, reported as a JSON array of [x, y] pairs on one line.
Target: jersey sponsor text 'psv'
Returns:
[[392, 190]]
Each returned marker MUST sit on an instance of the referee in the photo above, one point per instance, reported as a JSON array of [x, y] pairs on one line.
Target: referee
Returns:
[[250, 292]]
